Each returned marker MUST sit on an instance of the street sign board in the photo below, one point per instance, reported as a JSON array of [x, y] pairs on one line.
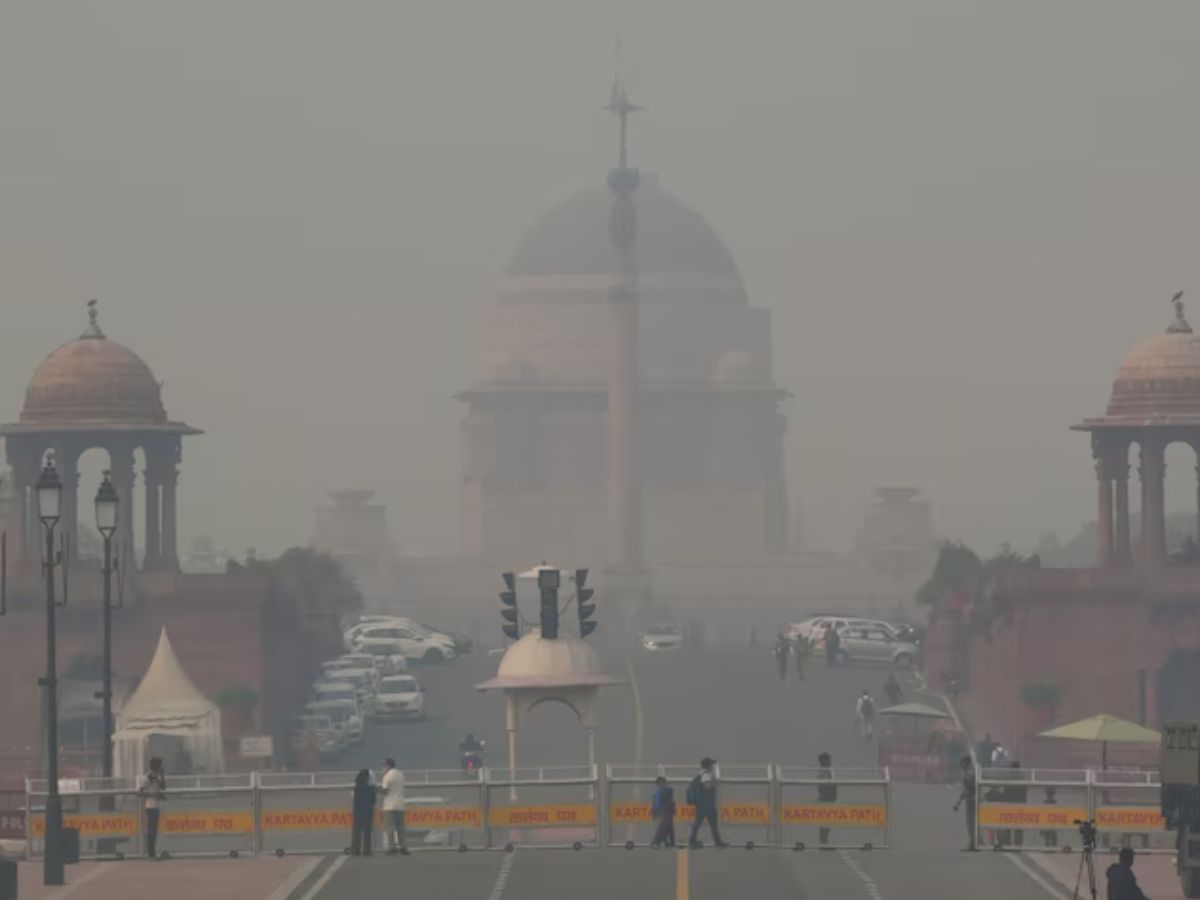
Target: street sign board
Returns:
[[258, 746]]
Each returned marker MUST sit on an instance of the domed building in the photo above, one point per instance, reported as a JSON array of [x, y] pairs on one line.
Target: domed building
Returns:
[[709, 433], [1155, 402], [95, 393]]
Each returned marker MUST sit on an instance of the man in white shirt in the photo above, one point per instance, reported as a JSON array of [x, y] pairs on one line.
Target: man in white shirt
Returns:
[[392, 788]]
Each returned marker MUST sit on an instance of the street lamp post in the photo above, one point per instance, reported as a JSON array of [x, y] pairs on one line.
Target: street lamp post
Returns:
[[49, 499], [106, 523]]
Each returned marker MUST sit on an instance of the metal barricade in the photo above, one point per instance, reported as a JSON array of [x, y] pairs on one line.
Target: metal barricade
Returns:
[[311, 812], [1125, 808], [838, 808], [1031, 809], [543, 807], [199, 815]]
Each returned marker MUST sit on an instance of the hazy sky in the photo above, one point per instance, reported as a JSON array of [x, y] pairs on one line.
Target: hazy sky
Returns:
[[961, 214]]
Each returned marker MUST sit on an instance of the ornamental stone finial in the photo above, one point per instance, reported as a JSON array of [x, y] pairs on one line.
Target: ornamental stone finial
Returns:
[[1180, 325], [93, 329]]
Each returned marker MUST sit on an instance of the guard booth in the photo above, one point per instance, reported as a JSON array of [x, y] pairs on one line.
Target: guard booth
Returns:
[[918, 743]]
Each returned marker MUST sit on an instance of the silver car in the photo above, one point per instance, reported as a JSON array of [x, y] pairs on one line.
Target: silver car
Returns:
[[872, 644]]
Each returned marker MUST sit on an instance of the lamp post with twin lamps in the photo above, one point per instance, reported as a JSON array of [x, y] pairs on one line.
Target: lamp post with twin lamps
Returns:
[[49, 501], [107, 504]]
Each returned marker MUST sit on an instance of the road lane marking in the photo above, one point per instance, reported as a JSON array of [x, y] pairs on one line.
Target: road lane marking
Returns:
[[297, 877], [861, 875], [1036, 877], [502, 876], [682, 891], [325, 878]]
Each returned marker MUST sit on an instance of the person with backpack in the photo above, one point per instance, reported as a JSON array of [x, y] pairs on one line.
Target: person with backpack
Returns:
[[662, 810], [864, 711], [702, 795]]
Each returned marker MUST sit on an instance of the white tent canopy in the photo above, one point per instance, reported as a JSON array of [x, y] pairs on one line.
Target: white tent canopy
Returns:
[[167, 705]]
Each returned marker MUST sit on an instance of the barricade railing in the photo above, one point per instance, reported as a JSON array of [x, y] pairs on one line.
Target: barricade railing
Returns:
[[1035, 810], [542, 807], [745, 803], [835, 808]]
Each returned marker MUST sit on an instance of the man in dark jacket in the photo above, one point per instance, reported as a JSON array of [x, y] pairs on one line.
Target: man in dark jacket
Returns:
[[702, 794], [1122, 885], [662, 810]]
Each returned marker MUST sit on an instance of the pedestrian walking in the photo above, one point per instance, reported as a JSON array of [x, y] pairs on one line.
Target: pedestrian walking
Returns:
[[363, 814], [826, 793], [967, 796], [392, 788], [864, 712], [802, 649], [662, 810], [153, 790], [892, 690], [702, 795], [833, 646], [1122, 883], [780, 650]]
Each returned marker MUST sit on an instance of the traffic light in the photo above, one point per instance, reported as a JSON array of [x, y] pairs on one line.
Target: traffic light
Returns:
[[582, 597], [548, 583], [512, 618]]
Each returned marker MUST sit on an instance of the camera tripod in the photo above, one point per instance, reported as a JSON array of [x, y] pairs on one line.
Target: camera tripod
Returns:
[[1087, 832]]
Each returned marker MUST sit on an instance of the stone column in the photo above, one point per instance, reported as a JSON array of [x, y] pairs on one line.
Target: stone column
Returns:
[[153, 523], [1124, 548], [121, 466], [1152, 471], [1104, 514], [24, 545], [168, 551], [66, 458]]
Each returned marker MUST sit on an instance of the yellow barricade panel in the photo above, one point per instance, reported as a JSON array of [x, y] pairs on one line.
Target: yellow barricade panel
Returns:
[[1029, 815], [733, 813], [857, 815], [547, 815], [1130, 818], [241, 822], [332, 819], [93, 825]]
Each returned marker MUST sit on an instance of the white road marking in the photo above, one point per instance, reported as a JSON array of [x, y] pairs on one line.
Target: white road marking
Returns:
[[502, 876], [325, 878], [1036, 877], [71, 888], [861, 875], [294, 880]]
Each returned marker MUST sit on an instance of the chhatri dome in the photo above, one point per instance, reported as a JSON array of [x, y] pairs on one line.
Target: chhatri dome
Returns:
[[93, 379], [1160, 377]]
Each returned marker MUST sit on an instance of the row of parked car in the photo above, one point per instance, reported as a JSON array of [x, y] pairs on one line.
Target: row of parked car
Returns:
[[370, 682], [870, 641]]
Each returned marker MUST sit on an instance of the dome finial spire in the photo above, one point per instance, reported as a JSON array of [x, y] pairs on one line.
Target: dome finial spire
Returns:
[[93, 329], [1180, 325], [620, 106]]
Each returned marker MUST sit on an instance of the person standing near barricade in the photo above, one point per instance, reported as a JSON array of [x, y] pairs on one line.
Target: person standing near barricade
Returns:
[[153, 790], [392, 788], [1016, 794], [892, 690], [662, 810], [1049, 835], [826, 793], [780, 650], [967, 796], [363, 814], [702, 795], [833, 646]]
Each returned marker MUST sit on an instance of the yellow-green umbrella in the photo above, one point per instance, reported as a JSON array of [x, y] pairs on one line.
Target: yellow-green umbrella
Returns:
[[1106, 729]]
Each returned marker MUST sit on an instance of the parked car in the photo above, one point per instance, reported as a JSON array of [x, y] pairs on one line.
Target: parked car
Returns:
[[345, 714], [662, 637], [386, 662], [814, 628], [367, 659], [404, 641], [462, 643], [400, 696], [871, 644], [334, 690], [364, 681]]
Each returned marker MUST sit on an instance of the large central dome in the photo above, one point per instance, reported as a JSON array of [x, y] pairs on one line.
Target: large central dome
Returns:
[[679, 255]]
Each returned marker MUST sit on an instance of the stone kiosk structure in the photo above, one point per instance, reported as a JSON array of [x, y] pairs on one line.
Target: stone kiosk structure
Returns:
[[93, 392]]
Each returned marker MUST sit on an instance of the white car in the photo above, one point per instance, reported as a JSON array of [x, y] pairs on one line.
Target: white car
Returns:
[[386, 662], [814, 629], [345, 714], [662, 637], [367, 622], [364, 681], [401, 696], [868, 644], [405, 642], [332, 688]]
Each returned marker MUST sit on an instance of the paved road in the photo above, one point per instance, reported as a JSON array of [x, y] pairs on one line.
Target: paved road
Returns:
[[727, 704]]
